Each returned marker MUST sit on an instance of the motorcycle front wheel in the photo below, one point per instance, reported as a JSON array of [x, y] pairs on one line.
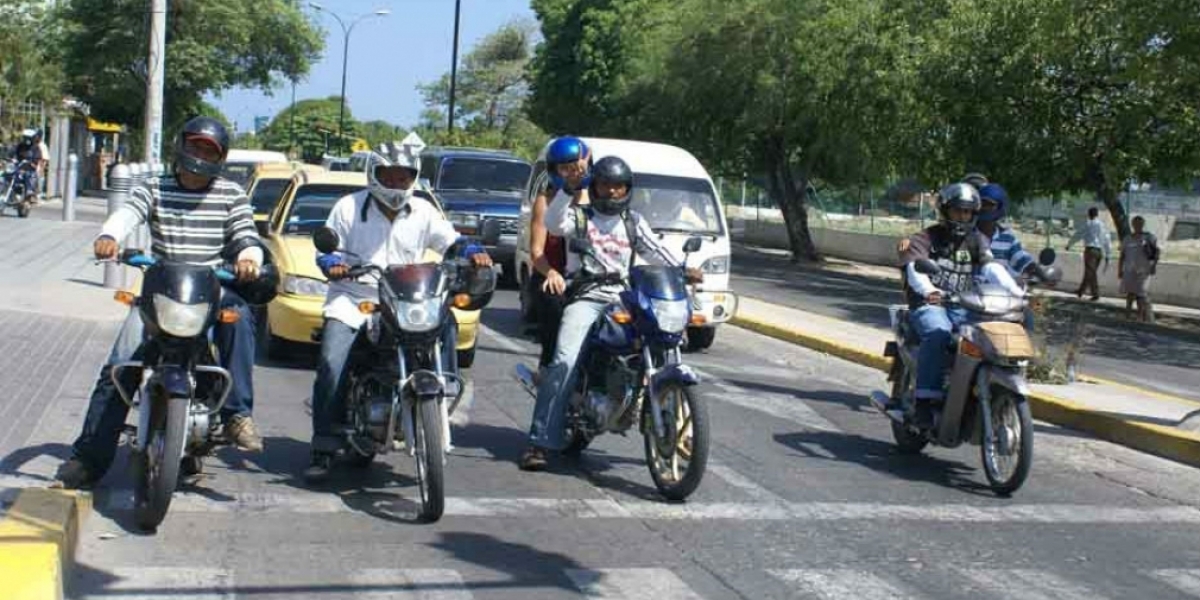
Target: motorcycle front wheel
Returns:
[[429, 451], [157, 468], [1007, 452], [677, 460]]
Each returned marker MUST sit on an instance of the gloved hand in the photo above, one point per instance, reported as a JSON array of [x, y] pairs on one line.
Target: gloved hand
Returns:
[[332, 266]]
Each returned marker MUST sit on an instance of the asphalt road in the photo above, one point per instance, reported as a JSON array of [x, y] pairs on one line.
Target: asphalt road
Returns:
[[804, 499], [1167, 364]]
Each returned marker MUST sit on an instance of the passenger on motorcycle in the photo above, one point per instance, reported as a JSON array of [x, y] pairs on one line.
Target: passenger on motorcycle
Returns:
[[615, 233], [198, 218], [568, 161], [962, 253], [389, 223]]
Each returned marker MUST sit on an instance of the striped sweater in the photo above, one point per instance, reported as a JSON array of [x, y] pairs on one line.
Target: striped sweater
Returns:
[[186, 226]]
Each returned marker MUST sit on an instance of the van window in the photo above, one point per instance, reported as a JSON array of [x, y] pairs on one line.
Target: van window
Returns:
[[537, 180], [677, 204], [429, 170], [266, 194], [483, 174]]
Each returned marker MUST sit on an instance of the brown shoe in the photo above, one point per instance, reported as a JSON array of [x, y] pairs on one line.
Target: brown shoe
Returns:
[[533, 459], [73, 475], [240, 432]]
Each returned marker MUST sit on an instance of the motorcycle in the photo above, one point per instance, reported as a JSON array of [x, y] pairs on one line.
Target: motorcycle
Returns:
[[400, 391], [16, 187], [180, 398], [986, 400], [631, 370]]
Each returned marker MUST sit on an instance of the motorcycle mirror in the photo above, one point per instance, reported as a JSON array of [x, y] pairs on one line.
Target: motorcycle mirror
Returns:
[[1047, 257], [1053, 275], [925, 266], [693, 244], [491, 232], [326, 240]]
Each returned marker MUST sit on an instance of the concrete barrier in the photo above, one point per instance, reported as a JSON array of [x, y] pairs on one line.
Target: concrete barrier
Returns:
[[1176, 284]]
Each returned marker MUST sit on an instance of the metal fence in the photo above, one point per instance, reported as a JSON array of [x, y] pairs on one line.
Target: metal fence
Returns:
[[17, 116]]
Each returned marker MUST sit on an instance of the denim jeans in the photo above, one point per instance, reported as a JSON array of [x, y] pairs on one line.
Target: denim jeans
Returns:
[[96, 445], [548, 429], [339, 342], [935, 325]]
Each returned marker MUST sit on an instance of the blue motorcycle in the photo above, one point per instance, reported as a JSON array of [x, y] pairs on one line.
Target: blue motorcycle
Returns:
[[631, 370]]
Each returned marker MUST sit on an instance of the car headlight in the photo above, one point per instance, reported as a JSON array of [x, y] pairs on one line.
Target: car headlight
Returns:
[[304, 286], [672, 315], [419, 317], [717, 265], [461, 219], [179, 319]]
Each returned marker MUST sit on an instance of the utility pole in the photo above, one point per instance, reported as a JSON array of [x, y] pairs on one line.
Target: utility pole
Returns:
[[453, 68], [154, 83]]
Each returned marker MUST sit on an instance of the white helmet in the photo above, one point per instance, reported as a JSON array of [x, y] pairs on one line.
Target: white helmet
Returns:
[[405, 153]]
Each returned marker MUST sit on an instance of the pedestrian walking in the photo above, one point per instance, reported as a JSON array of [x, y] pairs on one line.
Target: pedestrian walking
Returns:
[[1096, 247]]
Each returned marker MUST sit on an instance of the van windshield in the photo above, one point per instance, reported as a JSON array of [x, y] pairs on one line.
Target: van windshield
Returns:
[[676, 204]]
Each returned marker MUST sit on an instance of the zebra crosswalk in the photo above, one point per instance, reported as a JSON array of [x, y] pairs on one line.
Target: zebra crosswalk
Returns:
[[637, 583]]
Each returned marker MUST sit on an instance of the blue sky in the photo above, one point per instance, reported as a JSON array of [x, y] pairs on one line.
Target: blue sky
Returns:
[[389, 56]]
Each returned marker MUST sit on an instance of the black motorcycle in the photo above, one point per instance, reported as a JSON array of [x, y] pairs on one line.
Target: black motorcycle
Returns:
[[182, 385], [401, 383], [16, 187]]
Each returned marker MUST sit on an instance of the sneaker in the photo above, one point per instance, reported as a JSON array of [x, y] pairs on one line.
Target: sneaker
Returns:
[[73, 475], [533, 459], [240, 432], [318, 470]]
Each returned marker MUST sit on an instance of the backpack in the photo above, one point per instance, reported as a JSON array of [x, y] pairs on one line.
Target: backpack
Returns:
[[583, 213]]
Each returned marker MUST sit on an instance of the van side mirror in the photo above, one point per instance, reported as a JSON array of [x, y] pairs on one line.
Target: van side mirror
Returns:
[[326, 240], [693, 244]]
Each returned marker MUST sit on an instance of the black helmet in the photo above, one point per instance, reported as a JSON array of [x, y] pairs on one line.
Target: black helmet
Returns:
[[207, 128], [611, 169], [262, 290], [959, 195]]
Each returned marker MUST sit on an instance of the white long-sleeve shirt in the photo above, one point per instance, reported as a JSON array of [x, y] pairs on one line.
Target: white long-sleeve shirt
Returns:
[[609, 238], [378, 241], [1094, 235]]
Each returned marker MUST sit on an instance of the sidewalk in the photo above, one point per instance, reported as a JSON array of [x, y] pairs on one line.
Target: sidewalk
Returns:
[[1147, 421]]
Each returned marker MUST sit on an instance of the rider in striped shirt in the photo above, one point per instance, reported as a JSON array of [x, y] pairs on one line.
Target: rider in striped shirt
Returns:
[[1006, 248]]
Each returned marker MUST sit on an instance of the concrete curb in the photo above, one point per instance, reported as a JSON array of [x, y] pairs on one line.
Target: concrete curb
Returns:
[[38, 536], [1163, 441]]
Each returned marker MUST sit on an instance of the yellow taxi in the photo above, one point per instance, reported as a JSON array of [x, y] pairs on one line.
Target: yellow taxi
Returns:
[[294, 316], [265, 187]]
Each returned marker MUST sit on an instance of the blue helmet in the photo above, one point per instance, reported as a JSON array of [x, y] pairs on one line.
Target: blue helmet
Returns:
[[567, 149], [994, 193]]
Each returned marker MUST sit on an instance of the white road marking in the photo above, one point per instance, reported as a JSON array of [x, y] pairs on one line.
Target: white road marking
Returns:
[[1184, 580], [187, 582], [631, 584], [839, 584], [1028, 584], [410, 584], [503, 341]]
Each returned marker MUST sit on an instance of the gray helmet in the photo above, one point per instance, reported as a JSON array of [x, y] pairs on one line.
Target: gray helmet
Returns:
[[959, 195]]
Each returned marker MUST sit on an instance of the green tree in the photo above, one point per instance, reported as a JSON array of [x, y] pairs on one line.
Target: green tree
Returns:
[[212, 45], [30, 70], [315, 128], [377, 132]]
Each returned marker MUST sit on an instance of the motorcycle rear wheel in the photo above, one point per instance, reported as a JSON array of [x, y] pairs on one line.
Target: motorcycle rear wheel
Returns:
[[1012, 426], [157, 468], [431, 459], [23, 210], [685, 420]]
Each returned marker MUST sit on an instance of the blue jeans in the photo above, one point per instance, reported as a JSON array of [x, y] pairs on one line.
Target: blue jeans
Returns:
[[96, 446], [935, 325], [339, 342], [548, 429]]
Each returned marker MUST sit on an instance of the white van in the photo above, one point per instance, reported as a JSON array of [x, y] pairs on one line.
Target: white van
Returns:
[[665, 178], [240, 164]]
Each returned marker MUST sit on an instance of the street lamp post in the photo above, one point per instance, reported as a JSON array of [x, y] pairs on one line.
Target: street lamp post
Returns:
[[453, 68], [383, 12]]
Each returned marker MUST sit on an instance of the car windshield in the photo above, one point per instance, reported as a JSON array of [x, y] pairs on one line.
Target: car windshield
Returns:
[[266, 194], [483, 174], [238, 173], [311, 207], [676, 204]]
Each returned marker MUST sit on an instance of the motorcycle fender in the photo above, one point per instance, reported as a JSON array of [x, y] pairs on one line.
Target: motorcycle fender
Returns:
[[426, 386], [675, 372], [1011, 379], [961, 376], [176, 381]]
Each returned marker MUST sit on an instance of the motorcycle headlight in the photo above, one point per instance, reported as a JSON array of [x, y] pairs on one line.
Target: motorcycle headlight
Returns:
[[419, 317], [303, 286], [717, 265], [179, 319], [672, 315]]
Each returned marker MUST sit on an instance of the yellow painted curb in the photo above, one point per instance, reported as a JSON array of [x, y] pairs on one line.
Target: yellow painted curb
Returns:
[[38, 536], [1167, 442]]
